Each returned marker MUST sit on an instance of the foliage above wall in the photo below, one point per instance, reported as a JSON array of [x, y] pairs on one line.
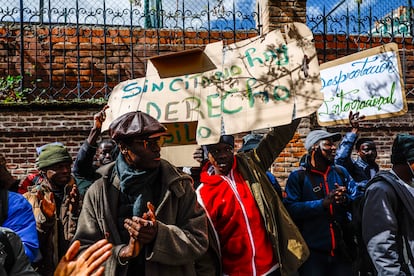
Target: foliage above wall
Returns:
[[10, 89], [12, 94]]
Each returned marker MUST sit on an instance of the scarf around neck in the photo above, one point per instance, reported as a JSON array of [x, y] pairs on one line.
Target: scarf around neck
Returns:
[[137, 185]]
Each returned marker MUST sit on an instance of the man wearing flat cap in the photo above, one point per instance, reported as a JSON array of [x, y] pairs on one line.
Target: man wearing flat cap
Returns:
[[145, 206], [388, 212], [56, 204], [317, 198], [251, 231]]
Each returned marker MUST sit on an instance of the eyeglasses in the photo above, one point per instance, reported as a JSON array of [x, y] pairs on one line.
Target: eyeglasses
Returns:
[[151, 143]]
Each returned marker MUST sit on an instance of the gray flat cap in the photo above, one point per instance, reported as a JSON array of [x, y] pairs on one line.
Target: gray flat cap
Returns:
[[317, 135]]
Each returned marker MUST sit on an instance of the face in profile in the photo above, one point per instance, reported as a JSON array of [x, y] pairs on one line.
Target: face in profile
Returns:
[[142, 154], [221, 156]]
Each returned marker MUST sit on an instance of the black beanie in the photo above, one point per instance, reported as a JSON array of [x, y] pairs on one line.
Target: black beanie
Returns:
[[403, 149], [225, 139]]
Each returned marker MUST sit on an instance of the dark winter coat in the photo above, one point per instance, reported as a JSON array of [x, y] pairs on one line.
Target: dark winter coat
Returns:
[[182, 224], [387, 225]]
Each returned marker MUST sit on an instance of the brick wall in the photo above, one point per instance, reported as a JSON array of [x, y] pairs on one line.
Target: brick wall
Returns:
[[281, 12], [68, 59], [24, 129]]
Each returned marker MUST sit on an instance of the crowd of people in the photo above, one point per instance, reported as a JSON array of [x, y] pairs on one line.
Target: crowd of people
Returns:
[[121, 209]]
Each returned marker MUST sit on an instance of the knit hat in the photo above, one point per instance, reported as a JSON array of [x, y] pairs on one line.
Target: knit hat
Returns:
[[403, 149], [52, 154], [250, 141], [136, 124], [39, 149], [317, 135]]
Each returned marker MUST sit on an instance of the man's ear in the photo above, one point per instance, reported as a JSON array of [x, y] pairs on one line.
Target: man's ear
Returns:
[[123, 148]]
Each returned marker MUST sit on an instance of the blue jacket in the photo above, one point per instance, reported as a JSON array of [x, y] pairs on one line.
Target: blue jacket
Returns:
[[83, 168], [275, 184], [83, 165], [305, 206], [357, 168], [21, 220]]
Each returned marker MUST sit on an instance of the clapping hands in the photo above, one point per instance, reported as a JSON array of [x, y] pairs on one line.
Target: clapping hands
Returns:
[[337, 196], [47, 203], [142, 230]]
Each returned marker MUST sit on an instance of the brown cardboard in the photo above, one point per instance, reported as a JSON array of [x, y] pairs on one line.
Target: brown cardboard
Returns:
[[255, 83], [182, 63]]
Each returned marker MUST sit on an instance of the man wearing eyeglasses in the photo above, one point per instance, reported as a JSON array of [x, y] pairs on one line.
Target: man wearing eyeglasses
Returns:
[[318, 199], [248, 220], [144, 206]]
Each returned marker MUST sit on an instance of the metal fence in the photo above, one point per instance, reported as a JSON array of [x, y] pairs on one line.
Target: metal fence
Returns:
[[74, 22], [364, 23], [362, 17], [32, 31], [195, 15]]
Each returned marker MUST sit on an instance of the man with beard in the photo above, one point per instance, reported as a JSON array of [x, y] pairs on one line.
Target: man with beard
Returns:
[[56, 204], [146, 207], [317, 199], [250, 228], [92, 155]]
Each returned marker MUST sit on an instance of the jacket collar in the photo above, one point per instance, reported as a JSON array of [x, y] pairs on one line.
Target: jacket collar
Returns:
[[364, 165], [171, 177]]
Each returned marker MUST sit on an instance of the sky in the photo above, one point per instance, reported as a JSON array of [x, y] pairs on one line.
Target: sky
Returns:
[[117, 12], [90, 15], [379, 7], [338, 8]]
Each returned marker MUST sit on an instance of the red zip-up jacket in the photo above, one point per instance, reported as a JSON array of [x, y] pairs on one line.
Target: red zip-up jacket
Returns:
[[238, 225]]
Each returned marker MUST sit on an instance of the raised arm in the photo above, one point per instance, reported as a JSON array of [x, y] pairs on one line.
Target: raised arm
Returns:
[[274, 143], [344, 151], [83, 165]]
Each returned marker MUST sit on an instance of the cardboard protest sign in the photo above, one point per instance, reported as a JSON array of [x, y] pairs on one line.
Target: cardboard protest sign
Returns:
[[253, 84], [369, 82]]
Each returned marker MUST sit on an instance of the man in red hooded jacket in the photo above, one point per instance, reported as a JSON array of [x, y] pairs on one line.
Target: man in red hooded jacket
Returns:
[[248, 220]]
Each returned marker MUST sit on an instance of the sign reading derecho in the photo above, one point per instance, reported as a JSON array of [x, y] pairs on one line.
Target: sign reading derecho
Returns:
[[369, 82], [257, 83]]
